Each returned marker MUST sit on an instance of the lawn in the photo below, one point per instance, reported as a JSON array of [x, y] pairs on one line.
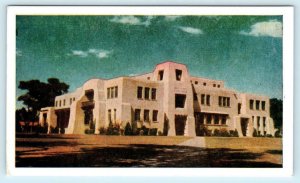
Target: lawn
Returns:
[[143, 151]]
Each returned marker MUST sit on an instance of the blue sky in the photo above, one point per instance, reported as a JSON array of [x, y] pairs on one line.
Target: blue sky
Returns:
[[244, 51]]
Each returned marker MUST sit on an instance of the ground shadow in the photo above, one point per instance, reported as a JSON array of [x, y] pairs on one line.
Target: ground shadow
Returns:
[[148, 156]]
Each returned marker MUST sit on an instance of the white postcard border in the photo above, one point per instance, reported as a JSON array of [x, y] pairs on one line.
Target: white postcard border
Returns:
[[288, 53]]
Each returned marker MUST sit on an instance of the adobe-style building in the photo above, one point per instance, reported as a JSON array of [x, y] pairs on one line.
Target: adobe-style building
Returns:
[[166, 100]]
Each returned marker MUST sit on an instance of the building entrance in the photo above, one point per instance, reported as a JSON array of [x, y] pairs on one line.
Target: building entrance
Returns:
[[244, 126], [180, 122]]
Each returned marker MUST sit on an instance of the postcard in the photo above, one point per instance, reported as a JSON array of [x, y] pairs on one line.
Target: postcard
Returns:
[[150, 90]]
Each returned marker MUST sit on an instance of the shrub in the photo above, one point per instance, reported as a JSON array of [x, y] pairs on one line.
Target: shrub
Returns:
[[269, 135], [102, 131], [145, 130], [277, 134], [224, 133], [89, 131], [234, 133], [203, 131], [254, 134], [113, 129], [216, 133], [160, 133], [153, 131], [128, 129]]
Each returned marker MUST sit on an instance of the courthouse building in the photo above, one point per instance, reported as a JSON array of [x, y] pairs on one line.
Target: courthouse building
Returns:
[[166, 100]]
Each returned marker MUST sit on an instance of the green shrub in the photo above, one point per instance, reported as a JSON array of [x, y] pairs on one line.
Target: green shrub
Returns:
[[102, 131], [224, 132], [89, 131], [145, 130], [216, 133], [153, 131], [254, 134], [234, 133], [277, 134], [160, 133], [269, 136], [128, 129]]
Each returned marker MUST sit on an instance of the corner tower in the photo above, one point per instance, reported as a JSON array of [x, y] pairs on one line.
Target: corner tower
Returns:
[[178, 98]]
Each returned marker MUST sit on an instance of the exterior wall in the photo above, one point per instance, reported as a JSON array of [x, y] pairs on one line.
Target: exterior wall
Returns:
[[178, 100]]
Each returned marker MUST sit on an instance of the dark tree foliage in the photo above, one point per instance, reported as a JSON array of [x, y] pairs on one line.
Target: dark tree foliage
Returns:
[[276, 112], [40, 94]]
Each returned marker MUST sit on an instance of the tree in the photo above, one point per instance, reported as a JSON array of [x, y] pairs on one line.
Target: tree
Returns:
[[40, 94], [276, 112]]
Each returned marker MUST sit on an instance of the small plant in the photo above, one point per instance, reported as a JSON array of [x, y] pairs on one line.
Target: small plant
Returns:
[[278, 134], [234, 133], [254, 134], [89, 131], [216, 133], [224, 133], [160, 133], [102, 131], [128, 129], [153, 131]]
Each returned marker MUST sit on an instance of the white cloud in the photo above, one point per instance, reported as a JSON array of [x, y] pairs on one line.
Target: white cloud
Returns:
[[191, 30], [79, 53], [18, 53], [100, 53], [272, 28], [172, 17], [132, 20]]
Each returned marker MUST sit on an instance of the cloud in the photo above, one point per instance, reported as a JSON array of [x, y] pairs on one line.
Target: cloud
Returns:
[[79, 53], [190, 30], [272, 28], [172, 17], [18, 53], [132, 20], [99, 53]]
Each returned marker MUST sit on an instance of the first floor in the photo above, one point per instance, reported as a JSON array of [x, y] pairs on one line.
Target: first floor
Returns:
[[89, 118]]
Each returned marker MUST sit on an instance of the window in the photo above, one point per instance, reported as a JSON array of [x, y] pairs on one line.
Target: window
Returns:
[[153, 94], [251, 104], [208, 119], [202, 99], [204, 84], [224, 101], [64, 102], [160, 75], [218, 86], [147, 93], [195, 97], [263, 105], [89, 94], [56, 103], [264, 121], [148, 78], [146, 115], [140, 92], [154, 115], [116, 91], [258, 123], [223, 120], [239, 108], [109, 116], [115, 114], [112, 92], [179, 100], [207, 99], [214, 85], [137, 114], [257, 102], [70, 101], [178, 74], [59, 103], [216, 120], [108, 93], [74, 99], [196, 82]]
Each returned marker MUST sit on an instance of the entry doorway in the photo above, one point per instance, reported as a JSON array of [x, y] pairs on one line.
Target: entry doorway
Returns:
[[244, 126], [180, 122]]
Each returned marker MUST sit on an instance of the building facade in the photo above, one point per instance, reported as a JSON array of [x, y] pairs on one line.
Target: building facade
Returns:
[[167, 100]]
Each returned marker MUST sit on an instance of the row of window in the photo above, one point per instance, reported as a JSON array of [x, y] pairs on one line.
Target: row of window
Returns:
[[258, 118], [137, 115], [110, 115], [215, 119], [205, 99], [258, 105], [146, 93], [60, 103], [178, 75], [204, 84], [224, 101], [112, 92]]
